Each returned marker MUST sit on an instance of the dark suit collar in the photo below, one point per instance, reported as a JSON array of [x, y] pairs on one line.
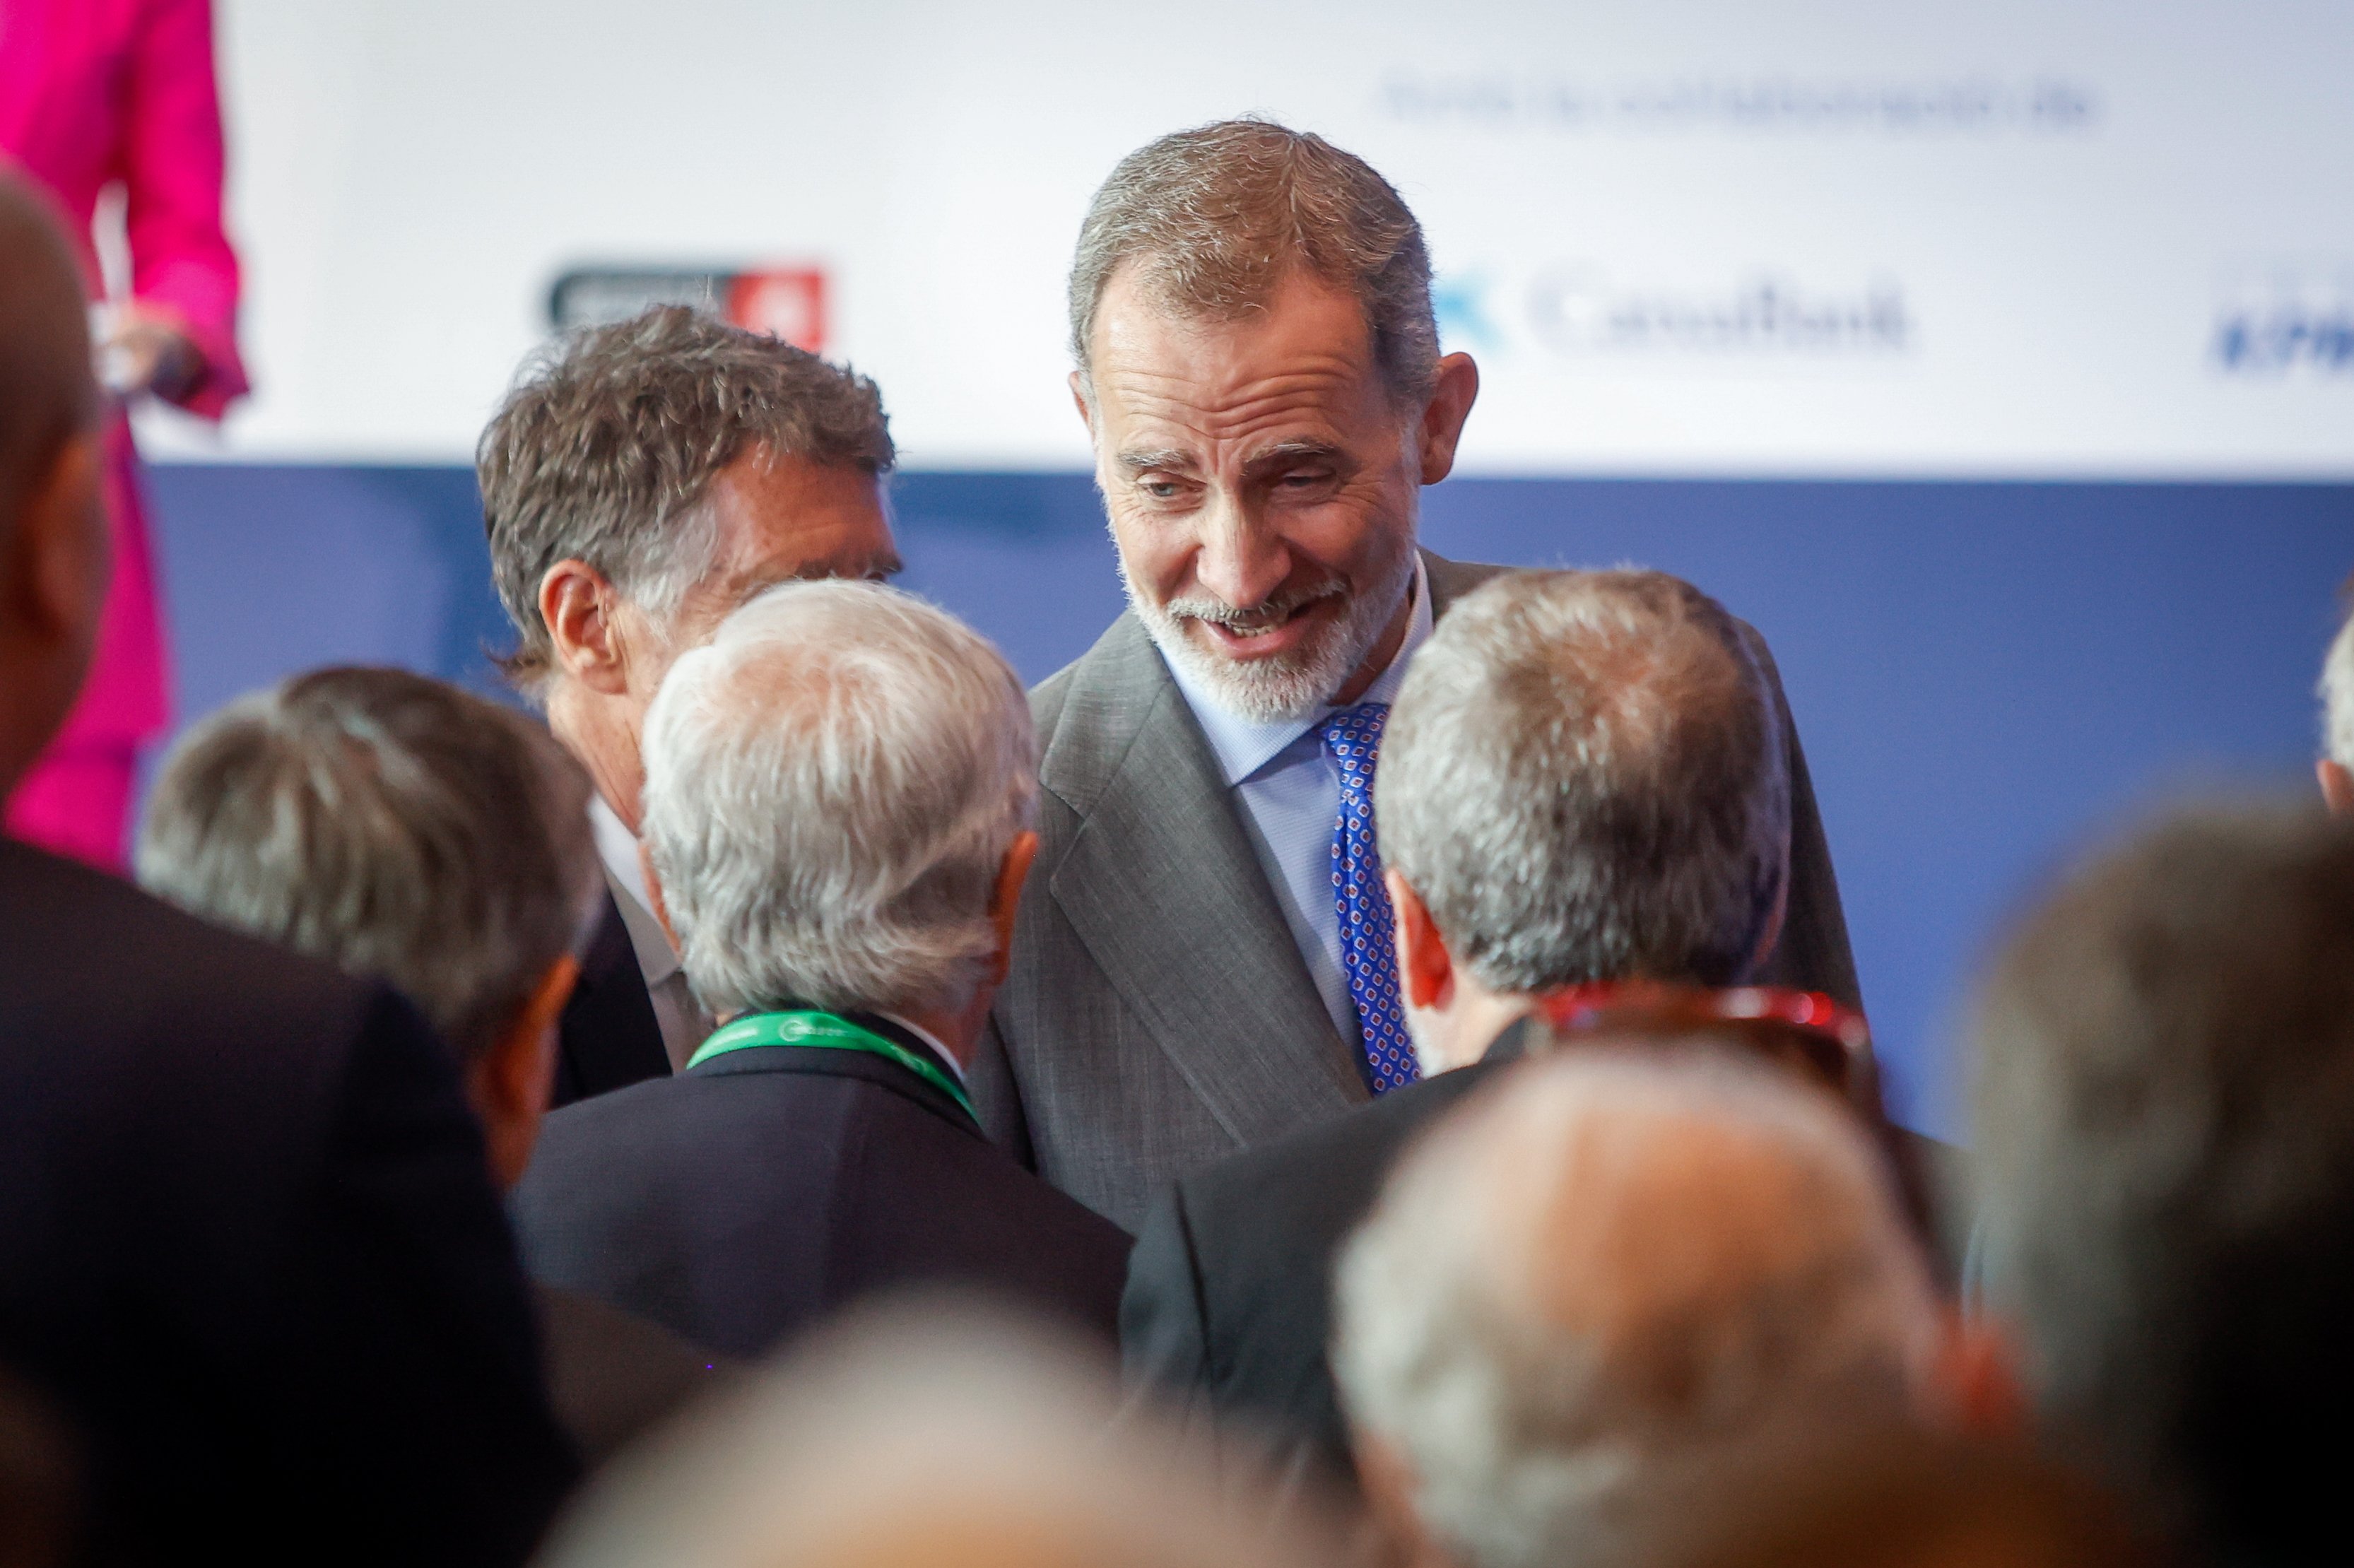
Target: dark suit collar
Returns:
[[820, 1060]]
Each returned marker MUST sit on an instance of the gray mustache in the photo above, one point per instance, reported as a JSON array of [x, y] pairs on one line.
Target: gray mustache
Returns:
[[1256, 617]]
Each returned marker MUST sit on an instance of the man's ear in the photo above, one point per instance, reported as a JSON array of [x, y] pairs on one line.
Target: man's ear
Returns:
[[510, 1083], [578, 606], [2336, 786], [1005, 902], [1425, 966], [1451, 396]]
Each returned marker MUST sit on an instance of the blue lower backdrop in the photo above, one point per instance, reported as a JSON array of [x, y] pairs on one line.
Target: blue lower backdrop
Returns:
[[1984, 673]]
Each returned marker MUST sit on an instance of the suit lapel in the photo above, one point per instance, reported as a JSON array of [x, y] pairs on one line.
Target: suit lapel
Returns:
[[1450, 580], [1162, 886]]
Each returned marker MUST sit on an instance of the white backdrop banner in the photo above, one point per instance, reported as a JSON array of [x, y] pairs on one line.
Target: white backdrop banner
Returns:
[[1682, 236]]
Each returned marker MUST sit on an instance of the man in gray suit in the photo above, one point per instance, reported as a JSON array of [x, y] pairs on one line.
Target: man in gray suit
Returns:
[[1204, 958]]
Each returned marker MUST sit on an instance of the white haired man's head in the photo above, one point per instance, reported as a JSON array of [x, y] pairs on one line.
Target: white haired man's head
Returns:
[[1611, 1271], [835, 787]]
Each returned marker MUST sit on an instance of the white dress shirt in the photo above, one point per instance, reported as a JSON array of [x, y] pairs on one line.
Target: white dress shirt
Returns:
[[682, 1021], [947, 1058], [1288, 797]]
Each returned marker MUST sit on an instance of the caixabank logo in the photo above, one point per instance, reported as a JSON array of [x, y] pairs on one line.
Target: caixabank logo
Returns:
[[1585, 311], [2282, 320], [786, 302]]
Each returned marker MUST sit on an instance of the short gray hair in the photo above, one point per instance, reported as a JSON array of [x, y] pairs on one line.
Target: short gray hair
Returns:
[[2337, 694], [1582, 778], [389, 824], [2163, 1142], [604, 449], [1617, 1267], [1214, 218], [831, 785]]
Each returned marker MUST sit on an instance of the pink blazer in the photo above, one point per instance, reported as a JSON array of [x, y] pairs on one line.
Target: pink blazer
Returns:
[[93, 92]]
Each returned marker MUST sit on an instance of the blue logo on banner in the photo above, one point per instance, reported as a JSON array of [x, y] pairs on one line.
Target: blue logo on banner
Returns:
[[1461, 303], [2288, 321]]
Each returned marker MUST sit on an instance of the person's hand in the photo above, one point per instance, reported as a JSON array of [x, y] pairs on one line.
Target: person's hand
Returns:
[[146, 353]]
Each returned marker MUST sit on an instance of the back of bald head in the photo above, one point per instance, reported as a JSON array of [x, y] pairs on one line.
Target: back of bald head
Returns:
[[46, 392]]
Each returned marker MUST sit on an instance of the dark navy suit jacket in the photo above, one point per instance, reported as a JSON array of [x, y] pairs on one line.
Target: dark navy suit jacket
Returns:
[[610, 1037], [249, 1247], [748, 1198], [1229, 1300]]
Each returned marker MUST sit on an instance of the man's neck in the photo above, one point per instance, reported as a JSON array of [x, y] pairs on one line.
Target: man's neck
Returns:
[[1471, 1019], [595, 729], [1478, 1019], [958, 1031]]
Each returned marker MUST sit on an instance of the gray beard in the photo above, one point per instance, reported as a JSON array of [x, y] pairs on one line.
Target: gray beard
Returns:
[[1293, 687]]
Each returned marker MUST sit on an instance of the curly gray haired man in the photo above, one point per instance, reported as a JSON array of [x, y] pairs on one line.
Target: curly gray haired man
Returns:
[[641, 480]]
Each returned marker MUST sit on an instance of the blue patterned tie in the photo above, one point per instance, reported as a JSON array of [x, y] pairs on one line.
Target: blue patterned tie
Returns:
[[1353, 738]]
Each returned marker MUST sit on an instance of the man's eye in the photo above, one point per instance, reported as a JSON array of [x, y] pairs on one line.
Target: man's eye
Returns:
[[1307, 481], [1162, 488]]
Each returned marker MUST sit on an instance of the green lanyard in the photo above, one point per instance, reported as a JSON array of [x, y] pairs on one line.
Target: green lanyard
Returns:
[[826, 1031]]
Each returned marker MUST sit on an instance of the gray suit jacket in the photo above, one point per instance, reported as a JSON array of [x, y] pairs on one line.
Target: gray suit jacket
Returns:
[[1158, 1015]]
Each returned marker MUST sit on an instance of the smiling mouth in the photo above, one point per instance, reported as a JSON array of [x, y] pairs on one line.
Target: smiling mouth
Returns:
[[1267, 634], [1263, 629]]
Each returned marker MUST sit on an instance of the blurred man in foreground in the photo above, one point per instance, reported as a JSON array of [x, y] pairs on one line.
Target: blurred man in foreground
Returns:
[[929, 1437], [1582, 780], [1609, 1272], [2164, 1124], [2336, 765], [403, 829], [1207, 963], [839, 792], [639, 482], [247, 1249]]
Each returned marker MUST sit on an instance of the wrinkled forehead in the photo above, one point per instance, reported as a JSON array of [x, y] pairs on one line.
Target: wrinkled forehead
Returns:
[[1303, 356]]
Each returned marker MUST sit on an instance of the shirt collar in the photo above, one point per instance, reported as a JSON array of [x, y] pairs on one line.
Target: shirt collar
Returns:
[[618, 848], [1245, 746], [931, 1043]]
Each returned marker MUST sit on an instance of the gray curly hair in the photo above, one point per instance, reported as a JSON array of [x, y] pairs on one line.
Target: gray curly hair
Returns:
[[1584, 778], [610, 438], [832, 786]]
